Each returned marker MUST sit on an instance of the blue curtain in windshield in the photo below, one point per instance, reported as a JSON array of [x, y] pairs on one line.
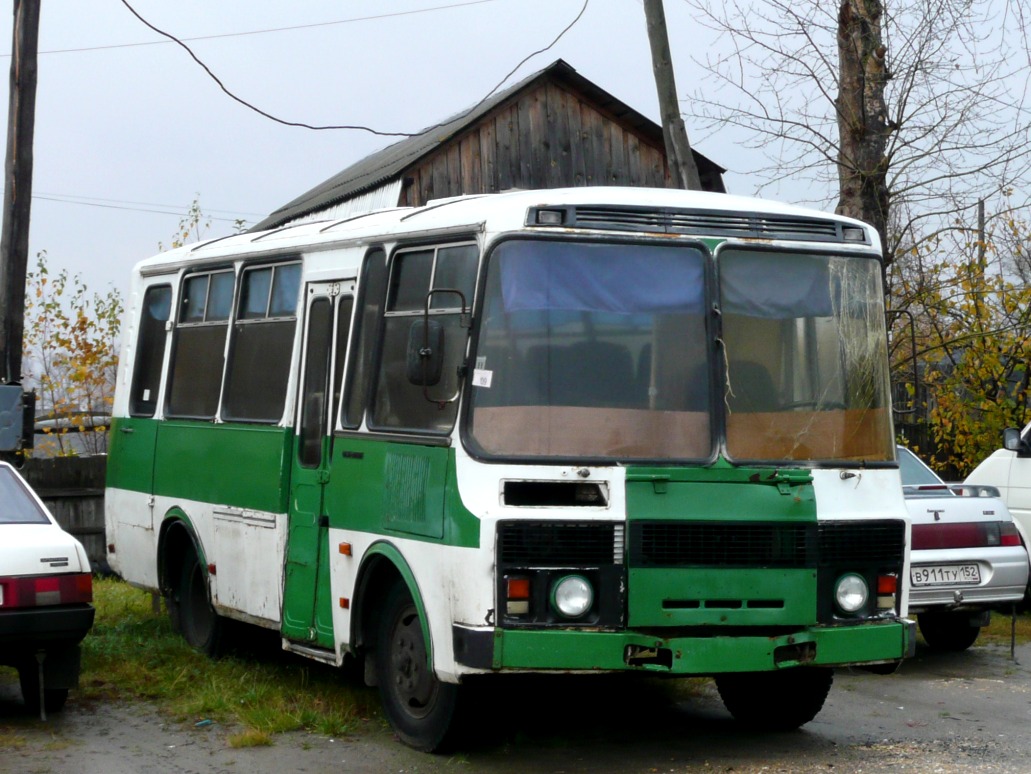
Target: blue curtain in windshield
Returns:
[[623, 279], [785, 288]]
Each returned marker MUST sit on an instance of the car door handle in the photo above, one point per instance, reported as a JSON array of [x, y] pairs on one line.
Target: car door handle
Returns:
[[126, 430]]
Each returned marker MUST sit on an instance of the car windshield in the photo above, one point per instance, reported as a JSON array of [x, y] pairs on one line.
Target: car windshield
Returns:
[[17, 506]]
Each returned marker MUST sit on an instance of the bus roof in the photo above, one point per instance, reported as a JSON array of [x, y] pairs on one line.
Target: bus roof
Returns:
[[489, 212]]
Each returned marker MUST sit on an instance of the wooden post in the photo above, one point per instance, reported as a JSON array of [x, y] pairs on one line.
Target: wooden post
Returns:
[[678, 149], [14, 238]]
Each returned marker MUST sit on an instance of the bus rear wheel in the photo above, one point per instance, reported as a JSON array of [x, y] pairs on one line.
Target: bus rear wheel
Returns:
[[201, 626], [420, 708], [775, 701]]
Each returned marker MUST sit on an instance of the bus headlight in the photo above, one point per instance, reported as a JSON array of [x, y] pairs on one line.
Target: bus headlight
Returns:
[[572, 596], [851, 593]]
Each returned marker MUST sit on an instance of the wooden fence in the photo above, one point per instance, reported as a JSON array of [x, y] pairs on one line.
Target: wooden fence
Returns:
[[73, 490]]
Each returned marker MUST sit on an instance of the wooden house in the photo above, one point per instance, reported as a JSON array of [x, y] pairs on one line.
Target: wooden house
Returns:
[[554, 129]]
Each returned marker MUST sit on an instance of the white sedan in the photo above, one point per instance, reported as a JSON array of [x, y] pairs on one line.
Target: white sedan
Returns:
[[46, 595], [967, 556]]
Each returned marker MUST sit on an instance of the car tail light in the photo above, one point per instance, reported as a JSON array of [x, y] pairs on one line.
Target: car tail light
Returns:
[[1009, 536], [46, 590], [975, 534]]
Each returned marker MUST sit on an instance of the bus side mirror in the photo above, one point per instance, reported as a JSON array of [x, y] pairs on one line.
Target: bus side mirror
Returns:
[[425, 361]]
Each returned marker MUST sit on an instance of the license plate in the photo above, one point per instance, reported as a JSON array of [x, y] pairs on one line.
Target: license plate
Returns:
[[945, 574]]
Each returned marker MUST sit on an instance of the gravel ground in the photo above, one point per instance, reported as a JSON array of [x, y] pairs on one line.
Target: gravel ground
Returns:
[[939, 713]]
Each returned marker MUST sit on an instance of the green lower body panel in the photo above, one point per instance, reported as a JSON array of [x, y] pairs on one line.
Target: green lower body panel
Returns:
[[684, 655], [730, 597]]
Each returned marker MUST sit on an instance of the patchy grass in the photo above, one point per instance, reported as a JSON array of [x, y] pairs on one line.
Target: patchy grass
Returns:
[[998, 632], [250, 738], [9, 740], [133, 653]]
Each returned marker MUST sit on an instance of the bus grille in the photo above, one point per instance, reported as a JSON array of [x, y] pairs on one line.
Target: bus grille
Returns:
[[871, 543], [559, 544], [703, 223], [765, 544], [719, 544]]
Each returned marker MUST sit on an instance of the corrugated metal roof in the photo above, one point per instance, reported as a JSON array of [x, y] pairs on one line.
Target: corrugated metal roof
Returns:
[[390, 162]]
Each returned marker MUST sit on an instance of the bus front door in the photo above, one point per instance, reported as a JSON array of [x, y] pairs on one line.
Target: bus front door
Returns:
[[307, 611]]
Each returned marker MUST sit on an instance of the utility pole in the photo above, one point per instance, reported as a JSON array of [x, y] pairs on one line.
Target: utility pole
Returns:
[[16, 408], [678, 149]]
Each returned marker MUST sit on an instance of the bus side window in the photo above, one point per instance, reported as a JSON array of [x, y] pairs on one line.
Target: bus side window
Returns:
[[366, 324], [195, 374], [150, 351], [345, 308], [263, 339], [316, 372], [318, 380], [397, 402]]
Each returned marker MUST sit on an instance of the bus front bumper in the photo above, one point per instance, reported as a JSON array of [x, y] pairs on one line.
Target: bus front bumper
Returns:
[[578, 650]]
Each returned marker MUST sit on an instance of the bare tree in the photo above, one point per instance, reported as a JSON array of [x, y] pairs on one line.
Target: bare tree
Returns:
[[903, 112]]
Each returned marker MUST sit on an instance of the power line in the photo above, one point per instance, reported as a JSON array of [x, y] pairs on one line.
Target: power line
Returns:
[[77, 198], [169, 211], [264, 31], [357, 127]]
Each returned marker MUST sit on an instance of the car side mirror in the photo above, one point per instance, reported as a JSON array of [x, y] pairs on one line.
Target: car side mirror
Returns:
[[425, 359], [1011, 441]]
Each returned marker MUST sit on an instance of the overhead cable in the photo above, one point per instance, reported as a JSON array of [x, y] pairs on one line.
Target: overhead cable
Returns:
[[356, 127], [267, 30]]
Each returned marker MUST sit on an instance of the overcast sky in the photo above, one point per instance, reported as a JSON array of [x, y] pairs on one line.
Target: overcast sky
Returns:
[[127, 135]]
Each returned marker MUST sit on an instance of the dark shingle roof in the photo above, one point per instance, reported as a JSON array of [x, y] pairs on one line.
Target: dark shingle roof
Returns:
[[386, 164]]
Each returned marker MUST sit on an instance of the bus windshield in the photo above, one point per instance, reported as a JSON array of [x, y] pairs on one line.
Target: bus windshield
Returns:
[[600, 350], [806, 357], [593, 350]]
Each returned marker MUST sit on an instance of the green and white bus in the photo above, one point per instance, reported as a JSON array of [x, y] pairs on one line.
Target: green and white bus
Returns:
[[582, 430]]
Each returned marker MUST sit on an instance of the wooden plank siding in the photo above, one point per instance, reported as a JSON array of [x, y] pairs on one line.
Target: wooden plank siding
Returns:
[[548, 137], [553, 129]]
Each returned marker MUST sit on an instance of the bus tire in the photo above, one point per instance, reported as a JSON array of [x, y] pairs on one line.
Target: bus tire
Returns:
[[775, 701], [420, 708], [947, 631], [200, 625]]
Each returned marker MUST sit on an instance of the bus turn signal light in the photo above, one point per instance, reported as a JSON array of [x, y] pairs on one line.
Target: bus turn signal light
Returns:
[[517, 590], [887, 589]]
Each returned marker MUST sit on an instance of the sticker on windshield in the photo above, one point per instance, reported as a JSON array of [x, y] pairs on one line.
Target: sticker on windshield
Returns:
[[482, 377]]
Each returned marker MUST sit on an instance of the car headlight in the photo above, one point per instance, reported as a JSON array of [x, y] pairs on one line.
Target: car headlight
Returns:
[[851, 593], [572, 596]]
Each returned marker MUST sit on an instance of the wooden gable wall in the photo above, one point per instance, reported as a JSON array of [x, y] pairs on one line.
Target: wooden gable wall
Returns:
[[549, 137]]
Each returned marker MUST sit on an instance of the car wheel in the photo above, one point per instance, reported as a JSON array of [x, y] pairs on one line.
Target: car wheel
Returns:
[[420, 707], [200, 625], [947, 631], [775, 701], [53, 698]]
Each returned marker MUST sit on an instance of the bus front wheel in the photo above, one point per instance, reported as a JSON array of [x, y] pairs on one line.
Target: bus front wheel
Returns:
[[775, 701], [200, 625], [420, 708]]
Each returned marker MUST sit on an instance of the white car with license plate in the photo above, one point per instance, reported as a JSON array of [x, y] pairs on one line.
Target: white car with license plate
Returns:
[[967, 556], [46, 594]]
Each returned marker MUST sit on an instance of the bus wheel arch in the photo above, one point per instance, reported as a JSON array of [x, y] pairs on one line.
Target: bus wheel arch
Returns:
[[176, 539], [183, 580], [391, 628], [382, 568]]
